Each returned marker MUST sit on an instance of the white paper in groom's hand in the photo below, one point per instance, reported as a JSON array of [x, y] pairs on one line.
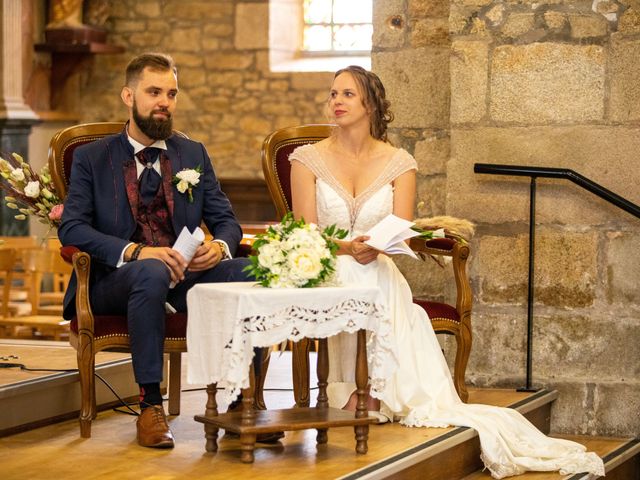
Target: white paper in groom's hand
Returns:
[[389, 235], [187, 243]]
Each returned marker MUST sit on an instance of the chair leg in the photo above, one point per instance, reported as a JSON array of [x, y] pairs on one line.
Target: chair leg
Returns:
[[463, 343], [300, 367], [86, 372], [175, 380], [259, 403]]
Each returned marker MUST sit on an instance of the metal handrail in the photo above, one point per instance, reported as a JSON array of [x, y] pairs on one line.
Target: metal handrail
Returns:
[[566, 173], [546, 172]]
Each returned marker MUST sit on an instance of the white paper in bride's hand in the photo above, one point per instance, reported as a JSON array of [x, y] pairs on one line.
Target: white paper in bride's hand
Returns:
[[389, 235], [187, 243]]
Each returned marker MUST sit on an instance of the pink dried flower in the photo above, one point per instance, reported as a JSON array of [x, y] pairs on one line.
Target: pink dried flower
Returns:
[[56, 212]]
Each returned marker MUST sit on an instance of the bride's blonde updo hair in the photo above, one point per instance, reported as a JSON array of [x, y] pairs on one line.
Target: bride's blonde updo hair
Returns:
[[374, 98]]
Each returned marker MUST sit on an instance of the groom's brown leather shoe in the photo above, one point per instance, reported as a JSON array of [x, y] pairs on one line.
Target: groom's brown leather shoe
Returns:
[[153, 430]]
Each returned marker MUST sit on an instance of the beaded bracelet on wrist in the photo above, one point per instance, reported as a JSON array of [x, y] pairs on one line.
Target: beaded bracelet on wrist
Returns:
[[136, 252]]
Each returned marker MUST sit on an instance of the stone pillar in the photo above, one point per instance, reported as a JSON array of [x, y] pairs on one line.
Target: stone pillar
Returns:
[[16, 118]]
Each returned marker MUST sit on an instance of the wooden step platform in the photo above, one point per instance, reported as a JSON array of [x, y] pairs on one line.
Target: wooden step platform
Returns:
[[32, 398], [394, 451]]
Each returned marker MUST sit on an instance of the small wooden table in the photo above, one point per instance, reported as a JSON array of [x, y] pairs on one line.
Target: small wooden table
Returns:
[[227, 320]]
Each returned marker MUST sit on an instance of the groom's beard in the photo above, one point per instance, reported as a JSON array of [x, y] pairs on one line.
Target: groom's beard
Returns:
[[151, 127]]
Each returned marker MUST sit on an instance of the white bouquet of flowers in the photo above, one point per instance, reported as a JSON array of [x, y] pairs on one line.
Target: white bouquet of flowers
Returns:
[[295, 254]]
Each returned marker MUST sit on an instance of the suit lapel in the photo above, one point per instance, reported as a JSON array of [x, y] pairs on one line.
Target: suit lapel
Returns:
[[124, 156], [167, 181], [131, 185], [170, 165]]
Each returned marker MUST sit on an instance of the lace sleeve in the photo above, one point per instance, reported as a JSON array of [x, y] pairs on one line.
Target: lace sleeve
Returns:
[[308, 156], [401, 162]]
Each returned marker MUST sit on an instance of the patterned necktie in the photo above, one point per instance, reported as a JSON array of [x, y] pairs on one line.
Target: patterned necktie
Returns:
[[150, 180]]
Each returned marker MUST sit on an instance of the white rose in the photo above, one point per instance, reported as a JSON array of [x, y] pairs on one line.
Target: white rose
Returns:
[[17, 174], [190, 176], [304, 264], [305, 238], [32, 189], [281, 279], [270, 256], [182, 186]]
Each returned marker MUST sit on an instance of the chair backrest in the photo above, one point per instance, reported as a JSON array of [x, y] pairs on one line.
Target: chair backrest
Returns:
[[64, 143], [276, 149]]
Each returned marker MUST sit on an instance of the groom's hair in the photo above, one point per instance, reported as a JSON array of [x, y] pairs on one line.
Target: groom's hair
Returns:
[[374, 98], [160, 62]]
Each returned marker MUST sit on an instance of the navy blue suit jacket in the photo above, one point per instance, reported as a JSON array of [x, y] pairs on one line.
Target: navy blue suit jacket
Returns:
[[98, 217]]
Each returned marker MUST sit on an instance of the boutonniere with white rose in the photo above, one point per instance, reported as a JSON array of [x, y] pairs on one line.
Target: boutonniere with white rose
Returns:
[[186, 180]]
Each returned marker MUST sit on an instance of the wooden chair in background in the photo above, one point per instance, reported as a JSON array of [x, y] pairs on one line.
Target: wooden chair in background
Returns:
[[89, 333], [448, 319], [7, 261], [19, 294], [32, 269], [50, 301]]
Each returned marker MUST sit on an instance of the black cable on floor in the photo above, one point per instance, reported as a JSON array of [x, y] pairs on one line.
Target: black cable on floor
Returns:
[[130, 411], [127, 406], [21, 366]]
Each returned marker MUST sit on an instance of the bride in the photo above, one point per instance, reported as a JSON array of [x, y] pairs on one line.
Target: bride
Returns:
[[355, 178]]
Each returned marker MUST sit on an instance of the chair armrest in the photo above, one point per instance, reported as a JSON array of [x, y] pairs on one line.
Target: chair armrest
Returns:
[[67, 253], [81, 262], [459, 253], [435, 246]]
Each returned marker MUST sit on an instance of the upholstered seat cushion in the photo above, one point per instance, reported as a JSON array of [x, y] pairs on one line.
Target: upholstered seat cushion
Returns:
[[441, 243], [114, 325], [438, 311]]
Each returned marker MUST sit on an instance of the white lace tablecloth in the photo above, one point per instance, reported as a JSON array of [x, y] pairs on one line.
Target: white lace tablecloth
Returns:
[[227, 320]]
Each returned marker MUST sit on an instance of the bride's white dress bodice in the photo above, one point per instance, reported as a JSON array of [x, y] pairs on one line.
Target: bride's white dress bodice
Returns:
[[332, 208], [335, 205]]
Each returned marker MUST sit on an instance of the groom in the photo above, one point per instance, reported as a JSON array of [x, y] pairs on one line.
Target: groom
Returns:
[[123, 209]]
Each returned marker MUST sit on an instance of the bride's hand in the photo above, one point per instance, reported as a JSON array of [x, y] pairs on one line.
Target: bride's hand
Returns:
[[362, 252]]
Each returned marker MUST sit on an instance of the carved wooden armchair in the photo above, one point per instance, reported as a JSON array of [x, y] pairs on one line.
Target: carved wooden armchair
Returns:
[[449, 319], [91, 333]]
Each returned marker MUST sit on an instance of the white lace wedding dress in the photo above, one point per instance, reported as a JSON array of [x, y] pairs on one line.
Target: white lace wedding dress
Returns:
[[421, 392]]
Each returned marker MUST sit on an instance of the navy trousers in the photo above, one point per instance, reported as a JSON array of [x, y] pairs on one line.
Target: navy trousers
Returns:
[[140, 290]]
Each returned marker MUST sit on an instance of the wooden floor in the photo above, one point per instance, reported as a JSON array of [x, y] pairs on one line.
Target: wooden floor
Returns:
[[57, 451]]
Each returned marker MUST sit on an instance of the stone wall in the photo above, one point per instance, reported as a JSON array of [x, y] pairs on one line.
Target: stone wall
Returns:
[[543, 83], [228, 99]]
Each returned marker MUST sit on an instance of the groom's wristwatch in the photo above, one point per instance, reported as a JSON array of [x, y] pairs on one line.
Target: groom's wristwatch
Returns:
[[223, 250]]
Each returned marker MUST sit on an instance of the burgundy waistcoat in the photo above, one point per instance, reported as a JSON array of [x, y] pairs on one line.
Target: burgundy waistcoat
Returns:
[[153, 222]]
